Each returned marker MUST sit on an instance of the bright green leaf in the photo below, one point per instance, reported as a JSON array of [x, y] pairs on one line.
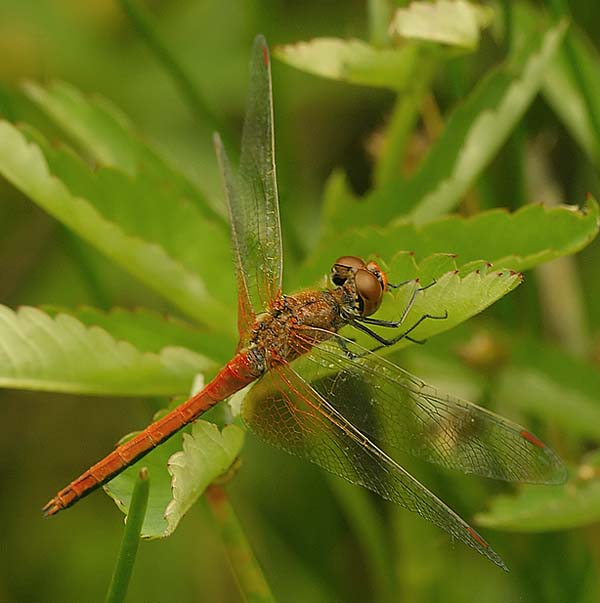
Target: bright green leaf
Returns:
[[156, 214], [179, 476], [453, 22], [150, 331], [540, 508], [25, 166], [207, 453], [354, 61], [460, 297], [61, 354], [121, 487], [108, 136], [519, 241], [474, 133]]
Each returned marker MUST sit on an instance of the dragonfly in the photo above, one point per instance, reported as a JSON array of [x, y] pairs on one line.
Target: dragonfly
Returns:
[[318, 394]]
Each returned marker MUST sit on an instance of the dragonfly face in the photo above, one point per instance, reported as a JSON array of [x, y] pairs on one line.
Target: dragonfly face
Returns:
[[366, 280]]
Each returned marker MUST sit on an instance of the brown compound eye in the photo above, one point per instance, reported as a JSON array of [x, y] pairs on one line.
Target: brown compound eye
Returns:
[[379, 273], [369, 290], [344, 267]]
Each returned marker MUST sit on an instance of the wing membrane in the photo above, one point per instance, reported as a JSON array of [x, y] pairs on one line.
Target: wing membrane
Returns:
[[258, 213], [252, 199], [287, 412], [246, 313], [402, 413]]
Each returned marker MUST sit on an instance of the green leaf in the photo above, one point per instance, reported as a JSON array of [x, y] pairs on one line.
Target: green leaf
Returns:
[[540, 508], [457, 23], [127, 230], [474, 133], [458, 296], [179, 476], [120, 489], [207, 453], [61, 354], [355, 61], [106, 134], [150, 331], [519, 241]]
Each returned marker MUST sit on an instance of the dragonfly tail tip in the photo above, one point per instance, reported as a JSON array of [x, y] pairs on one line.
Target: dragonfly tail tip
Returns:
[[51, 508]]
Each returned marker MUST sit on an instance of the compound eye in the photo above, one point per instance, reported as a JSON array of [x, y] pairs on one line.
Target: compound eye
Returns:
[[369, 290], [379, 273], [345, 266]]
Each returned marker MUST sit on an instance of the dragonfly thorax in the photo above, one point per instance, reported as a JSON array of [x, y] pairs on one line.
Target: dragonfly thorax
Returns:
[[365, 283]]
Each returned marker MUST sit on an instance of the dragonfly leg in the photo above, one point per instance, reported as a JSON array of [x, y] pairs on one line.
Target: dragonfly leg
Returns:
[[404, 335], [394, 324], [344, 347]]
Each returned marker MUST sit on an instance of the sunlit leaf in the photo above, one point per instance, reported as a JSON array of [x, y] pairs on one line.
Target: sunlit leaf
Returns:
[[106, 134], [474, 133], [207, 453], [354, 61], [61, 354], [453, 22], [519, 241], [179, 476], [136, 248], [150, 331], [460, 297], [537, 508]]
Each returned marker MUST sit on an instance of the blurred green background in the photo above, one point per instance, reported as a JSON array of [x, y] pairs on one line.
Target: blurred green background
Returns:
[[295, 516]]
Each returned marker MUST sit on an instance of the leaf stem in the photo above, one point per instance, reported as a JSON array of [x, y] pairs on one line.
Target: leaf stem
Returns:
[[131, 539], [249, 576], [148, 31], [400, 127], [379, 20]]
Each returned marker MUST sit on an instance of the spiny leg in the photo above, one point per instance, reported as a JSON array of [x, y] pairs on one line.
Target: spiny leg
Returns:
[[404, 335]]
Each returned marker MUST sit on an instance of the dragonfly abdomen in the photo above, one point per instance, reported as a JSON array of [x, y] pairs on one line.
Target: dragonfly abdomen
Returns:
[[235, 375]]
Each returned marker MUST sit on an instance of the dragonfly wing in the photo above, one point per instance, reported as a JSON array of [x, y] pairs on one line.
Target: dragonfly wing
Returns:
[[258, 214], [402, 413], [284, 410], [252, 201], [246, 312]]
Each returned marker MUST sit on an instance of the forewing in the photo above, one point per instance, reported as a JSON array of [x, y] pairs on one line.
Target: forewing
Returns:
[[252, 199], [402, 413], [257, 211], [284, 410]]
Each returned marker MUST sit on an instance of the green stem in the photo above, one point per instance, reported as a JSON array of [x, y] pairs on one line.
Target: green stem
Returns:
[[379, 20], [131, 539], [249, 576], [400, 127], [148, 31], [560, 9]]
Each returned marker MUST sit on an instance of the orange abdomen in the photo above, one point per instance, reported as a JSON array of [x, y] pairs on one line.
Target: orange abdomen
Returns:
[[236, 374]]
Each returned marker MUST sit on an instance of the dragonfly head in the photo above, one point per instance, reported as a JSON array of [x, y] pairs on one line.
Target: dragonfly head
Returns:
[[365, 280]]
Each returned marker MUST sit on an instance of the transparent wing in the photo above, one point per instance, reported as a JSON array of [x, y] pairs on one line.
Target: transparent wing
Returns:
[[284, 410], [402, 413], [246, 313], [253, 203]]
